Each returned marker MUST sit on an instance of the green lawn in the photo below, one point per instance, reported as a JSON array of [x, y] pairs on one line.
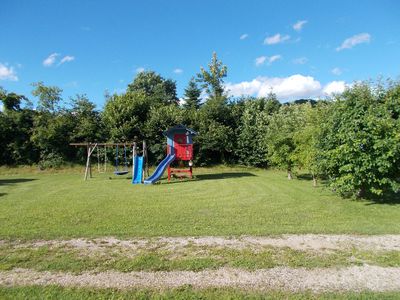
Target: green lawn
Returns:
[[184, 293], [221, 201]]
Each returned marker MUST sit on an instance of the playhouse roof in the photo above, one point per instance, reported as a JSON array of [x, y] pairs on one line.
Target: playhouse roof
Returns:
[[179, 128]]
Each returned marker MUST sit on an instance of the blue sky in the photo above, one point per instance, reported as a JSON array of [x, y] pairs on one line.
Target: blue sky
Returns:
[[297, 48]]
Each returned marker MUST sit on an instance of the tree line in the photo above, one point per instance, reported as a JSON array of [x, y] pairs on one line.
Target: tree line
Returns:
[[351, 140]]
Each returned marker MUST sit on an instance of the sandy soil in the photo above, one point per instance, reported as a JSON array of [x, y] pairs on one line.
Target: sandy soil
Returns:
[[317, 242], [353, 278], [317, 280]]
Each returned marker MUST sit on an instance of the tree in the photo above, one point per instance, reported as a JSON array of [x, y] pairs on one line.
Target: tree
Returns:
[[49, 96], [125, 115], [251, 128], [192, 95], [88, 124], [360, 150], [212, 80], [279, 139], [161, 91], [307, 138]]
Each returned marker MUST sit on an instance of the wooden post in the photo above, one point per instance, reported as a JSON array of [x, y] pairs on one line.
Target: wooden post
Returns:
[[87, 162], [105, 159], [98, 161]]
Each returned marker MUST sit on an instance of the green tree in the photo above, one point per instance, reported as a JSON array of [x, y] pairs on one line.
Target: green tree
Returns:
[[307, 138], [88, 124], [162, 91], [279, 139], [360, 150], [251, 128], [212, 80], [125, 115], [192, 95], [49, 96]]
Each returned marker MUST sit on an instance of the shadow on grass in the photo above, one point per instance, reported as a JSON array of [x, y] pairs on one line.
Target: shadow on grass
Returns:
[[226, 175], [304, 177], [389, 198], [212, 176], [2, 194], [15, 181], [215, 176]]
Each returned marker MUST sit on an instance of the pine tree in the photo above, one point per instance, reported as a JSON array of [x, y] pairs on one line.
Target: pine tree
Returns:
[[192, 95]]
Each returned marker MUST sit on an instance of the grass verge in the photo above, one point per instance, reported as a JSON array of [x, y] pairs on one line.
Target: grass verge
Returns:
[[61, 258]]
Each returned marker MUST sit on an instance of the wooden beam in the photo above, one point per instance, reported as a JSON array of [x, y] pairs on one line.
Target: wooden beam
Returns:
[[101, 144]]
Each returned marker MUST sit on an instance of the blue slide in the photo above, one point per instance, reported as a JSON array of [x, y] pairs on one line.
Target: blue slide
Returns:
[[137, 170], [160, 169]]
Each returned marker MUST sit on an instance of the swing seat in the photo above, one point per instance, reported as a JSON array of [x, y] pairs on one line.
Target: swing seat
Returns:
[[121, 172]]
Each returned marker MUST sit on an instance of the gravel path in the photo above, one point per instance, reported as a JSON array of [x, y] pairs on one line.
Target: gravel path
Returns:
[[370, 278], [317, 242]]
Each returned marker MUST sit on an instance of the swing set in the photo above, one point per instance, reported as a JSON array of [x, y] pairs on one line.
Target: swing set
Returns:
[[102, 157]]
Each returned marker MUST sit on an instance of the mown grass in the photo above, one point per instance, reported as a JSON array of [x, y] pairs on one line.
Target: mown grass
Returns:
[[221, 201], [66, 259], [184, 293]]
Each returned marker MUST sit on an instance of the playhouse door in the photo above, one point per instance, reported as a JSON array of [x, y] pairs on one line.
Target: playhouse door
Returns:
[[180, 145]]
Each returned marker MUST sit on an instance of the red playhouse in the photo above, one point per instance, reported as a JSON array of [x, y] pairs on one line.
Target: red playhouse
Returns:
[[179, 157], [180, 143]]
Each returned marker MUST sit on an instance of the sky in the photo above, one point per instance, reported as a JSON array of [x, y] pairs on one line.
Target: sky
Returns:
[[297, 49]]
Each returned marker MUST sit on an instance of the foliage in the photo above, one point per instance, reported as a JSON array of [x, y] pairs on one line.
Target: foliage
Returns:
[[50, 160], [361, 146], [212, 80], [49, 96], [124, 115], [307, 138], [88, 123], [192, 95], [251, 149], [279, 138], [161, 91]]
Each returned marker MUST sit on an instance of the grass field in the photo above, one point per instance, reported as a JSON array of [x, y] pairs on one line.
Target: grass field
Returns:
[[220, 201], [37, 292]]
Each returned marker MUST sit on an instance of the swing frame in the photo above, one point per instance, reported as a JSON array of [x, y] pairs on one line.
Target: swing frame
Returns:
[[90, 147]]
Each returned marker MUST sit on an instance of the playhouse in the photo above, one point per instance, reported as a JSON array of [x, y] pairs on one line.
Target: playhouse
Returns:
[[180, 144]]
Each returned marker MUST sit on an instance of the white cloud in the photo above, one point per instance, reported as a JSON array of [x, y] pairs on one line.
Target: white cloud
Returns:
[[7, 73], [140, 69], [276, 39], [50, 60], [336, 71], [300, 60], [274, 58], [178, 71], [354, 40], [66, 58], [334, 87], [260, 60], [298, 26], [286, 88], [244, 36]]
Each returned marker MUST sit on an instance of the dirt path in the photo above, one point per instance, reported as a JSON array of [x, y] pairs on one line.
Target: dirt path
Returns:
[[317, 280], [354, 278], [318, 242]]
